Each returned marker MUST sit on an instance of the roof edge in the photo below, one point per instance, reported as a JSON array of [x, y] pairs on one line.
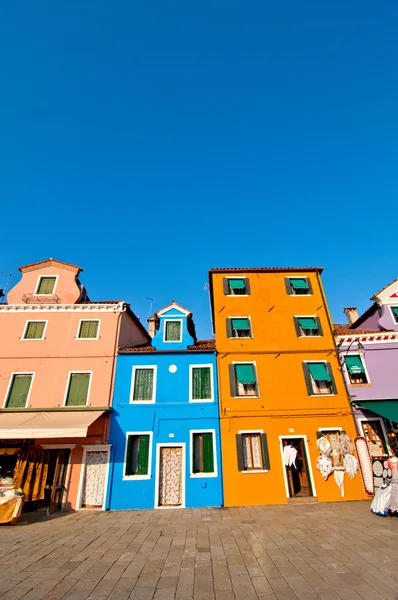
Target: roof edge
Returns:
[[49, 262], [266, 270]]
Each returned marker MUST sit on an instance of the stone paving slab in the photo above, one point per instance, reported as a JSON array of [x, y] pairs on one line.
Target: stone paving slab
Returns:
[[305, 552]]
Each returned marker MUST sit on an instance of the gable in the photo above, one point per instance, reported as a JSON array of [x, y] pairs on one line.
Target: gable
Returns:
[[387, 294], [173, 312]]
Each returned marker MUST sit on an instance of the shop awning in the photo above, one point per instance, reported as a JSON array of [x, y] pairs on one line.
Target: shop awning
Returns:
[[385, 408], [38, 425]]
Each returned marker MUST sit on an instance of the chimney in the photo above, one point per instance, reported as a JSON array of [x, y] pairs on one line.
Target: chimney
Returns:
[[152, 326], [351, 314]]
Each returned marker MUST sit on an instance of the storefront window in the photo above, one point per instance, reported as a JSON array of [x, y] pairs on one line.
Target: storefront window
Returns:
[[8, 460]]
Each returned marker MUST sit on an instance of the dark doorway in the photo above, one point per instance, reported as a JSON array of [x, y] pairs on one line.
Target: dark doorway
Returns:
[[58, 461], [297, 473]]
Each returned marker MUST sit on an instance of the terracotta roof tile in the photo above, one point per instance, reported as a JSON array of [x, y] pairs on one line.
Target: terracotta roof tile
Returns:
[[51, 261], [346, 329], [200, 346]]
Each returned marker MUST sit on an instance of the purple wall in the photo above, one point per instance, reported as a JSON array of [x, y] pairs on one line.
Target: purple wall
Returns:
[[381, 319]]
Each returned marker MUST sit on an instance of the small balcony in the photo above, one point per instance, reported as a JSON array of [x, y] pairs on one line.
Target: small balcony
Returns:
[[41, 299]]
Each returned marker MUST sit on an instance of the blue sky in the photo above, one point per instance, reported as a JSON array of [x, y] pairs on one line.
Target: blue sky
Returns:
[[148, 142]]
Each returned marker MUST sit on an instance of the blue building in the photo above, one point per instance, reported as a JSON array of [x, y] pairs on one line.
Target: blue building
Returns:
[[164, 429]]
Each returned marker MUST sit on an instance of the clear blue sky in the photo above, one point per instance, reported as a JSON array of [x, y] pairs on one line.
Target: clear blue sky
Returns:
[[148, 142]]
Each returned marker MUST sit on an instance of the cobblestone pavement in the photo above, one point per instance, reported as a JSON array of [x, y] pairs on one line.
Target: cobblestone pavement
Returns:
[[327, 551]]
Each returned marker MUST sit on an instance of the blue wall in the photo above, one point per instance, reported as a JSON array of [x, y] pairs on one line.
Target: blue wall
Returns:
[[170, 419]]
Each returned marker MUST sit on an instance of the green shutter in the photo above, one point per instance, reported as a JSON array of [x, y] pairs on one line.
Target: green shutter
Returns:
[[34, 330], [308, 323], [245, 374], [143, 455], [395, 311], [319, 372], [78, 389], [143, 384], [129, 456], [354, 364], [236, 284], [201, 383], [19, 391], [46, 285], [88, 329], [299, 284], [240, 324], [173, 331], [208, 455]]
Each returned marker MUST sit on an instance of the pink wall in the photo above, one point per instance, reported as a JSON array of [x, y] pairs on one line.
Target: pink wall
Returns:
[[66, 287], [130, 335]]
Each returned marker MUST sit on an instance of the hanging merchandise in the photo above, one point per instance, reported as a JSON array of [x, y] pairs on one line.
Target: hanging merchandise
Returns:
[[365, 464], [289, 456], [324, 465], [339, 479], [335, 454], [323, 445], [350, 465], [345, 443]]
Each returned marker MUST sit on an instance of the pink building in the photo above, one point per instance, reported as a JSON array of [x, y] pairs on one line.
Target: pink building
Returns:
[[57, 367]]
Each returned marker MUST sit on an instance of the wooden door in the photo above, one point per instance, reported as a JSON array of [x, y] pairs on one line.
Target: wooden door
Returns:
[[373, 433], [298, 474], [96, 466], [60, 462], [170, 476]]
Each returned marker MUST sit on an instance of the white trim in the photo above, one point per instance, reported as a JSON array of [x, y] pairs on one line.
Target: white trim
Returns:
[[202, 475], [40, 277], [35, 308], [346, 373], [247, 337], [132, 385], [366, 339], [138, 477], [170, 307], [159, 446], [248, 362], [93, 448], [391, 306], [308, 458], [70, 373], [253, 471], [32, 373], [191, 368], [23, 339], [330, 429], [167, 320], [307, 317], [361, 420], [79, 327]]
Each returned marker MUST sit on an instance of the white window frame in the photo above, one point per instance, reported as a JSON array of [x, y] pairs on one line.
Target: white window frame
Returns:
[[191, 449], [361, 420], [248, 362], [23, 339], [347, 375], [93, 448], [164, 332], [153, 400], [159, 446], [307, 456], [237, 295], [325, 362], [248, 432], [79, 327], [394, 318], [307, 317], [248, 337], [199, 366], [45, 277], [70, 373], [330, 429], [32, 373], [138, 477], [300, 295]]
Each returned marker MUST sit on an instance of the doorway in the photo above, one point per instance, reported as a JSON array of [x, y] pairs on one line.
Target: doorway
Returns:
[[170, 491], [94, 479], [296, 466], [58, 462]]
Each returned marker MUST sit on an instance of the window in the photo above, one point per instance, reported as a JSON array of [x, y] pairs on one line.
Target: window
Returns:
[[78, 386], [298, 286], [143, 384], [172, 331], [202, 453], [238, 327], [34, 330], [236, 286], [356, 369], [319, 378], [137, 455], [88, 330], [307, 326], [201, 383], [252, 451], [46, 285], [395, 313], [19, 390], [243, 380]]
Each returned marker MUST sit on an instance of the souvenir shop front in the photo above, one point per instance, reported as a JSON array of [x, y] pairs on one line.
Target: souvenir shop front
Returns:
[[59, 462]]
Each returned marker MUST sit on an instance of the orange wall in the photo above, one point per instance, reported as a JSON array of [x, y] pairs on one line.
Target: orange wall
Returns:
[[283, 403]]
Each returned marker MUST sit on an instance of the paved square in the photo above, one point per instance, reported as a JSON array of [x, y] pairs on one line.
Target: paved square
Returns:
[[306, 551]]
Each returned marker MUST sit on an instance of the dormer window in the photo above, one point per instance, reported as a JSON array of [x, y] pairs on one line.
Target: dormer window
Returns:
[[395, 313], [46, 285], [173, 331]]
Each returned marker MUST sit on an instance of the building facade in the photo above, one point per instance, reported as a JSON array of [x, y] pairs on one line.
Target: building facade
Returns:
[[57, 364], [164, 427], [368, 349], [281, 389]]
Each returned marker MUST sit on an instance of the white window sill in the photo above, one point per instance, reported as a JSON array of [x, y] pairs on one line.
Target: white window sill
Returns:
[[142, 402], [251, 397], [31, 339], [300, 295], [136, 477], [323, 395], [254, 471], [237, 295], [247, 337], [202, 475], [86, 339], [207, 401], [308, 336]]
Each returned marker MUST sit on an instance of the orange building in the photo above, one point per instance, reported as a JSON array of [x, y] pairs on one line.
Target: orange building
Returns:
[[281, 390]]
